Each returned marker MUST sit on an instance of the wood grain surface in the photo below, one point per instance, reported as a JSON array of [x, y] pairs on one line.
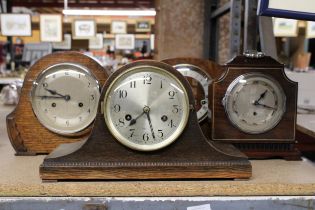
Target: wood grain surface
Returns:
[[103, 157], [27, 135], [277, 142]]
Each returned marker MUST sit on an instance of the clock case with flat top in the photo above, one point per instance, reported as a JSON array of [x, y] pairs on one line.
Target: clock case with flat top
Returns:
[[27, 135], [276, 142], [101, 156]]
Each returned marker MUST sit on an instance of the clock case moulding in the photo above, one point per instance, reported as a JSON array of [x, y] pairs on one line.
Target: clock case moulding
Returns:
[[277, 142], [101, 156], [27, 135], [210, 68]]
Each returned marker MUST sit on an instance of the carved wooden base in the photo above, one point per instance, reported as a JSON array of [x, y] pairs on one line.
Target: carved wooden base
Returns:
[[287, 151], [102, 157]]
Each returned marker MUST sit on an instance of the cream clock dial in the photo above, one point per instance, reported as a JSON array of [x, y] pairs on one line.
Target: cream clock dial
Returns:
[[146, 108], [254, 103], [199, 82], [65, 97]]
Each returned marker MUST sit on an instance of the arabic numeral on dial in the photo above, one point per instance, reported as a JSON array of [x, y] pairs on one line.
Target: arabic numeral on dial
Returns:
[[171, 124], [117, 108], [121, 122], [145, 137], [54, 76], [160, 133], [92, 97], [67, 123], [89, 110], [175, 109], [147, 80], [133, 84], [161, 86], [67, 73], [132, 131], [171, 94], [123, 93], [89, 84]]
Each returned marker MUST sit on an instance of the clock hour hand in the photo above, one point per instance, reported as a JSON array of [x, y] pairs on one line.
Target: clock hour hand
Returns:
[[262, 96], [133, 121], [53, 92]]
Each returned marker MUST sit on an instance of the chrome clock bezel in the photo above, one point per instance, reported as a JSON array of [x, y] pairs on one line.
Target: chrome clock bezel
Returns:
[[122, 139], [55, 68], [235, 83]]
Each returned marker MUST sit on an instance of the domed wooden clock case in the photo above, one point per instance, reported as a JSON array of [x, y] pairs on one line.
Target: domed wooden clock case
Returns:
[[34, 125], [104, 156]]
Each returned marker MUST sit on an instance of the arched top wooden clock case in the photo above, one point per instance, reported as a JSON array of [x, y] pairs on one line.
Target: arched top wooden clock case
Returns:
[[146, 128], [256, 103], [58, 103]]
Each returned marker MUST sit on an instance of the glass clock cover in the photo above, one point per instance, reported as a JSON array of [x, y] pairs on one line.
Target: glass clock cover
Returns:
[[199, 82], [146, 108], [254, 103], [65, 97]]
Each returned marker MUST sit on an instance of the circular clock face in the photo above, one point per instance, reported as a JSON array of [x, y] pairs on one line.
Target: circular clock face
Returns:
[[65, 98], [255, 103], [146, 108], [199, 82]]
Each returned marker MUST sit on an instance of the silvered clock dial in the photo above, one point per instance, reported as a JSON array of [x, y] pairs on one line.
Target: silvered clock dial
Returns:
[[254, 103], [65, 97], [146, 108], [199, 82]]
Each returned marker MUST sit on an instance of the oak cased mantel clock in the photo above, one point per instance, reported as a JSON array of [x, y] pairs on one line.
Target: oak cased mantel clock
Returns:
[[58, 103], [254, 107], [146, 128]]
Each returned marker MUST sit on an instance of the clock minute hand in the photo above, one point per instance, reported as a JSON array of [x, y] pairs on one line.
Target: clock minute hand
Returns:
[[150, 123], [56, 97], [256, 103]]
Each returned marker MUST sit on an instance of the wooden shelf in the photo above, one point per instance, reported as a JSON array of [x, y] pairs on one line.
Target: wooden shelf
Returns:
[[20, 177]]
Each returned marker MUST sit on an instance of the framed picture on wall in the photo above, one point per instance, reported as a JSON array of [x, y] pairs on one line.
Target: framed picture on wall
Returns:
[[310, 29], [50, 28], [16, 24], [143, 26], [96, 42], [285, 27], [83, 29], [124, 41], [119, 27], [152, 41], [65, 44], [295, 9]]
